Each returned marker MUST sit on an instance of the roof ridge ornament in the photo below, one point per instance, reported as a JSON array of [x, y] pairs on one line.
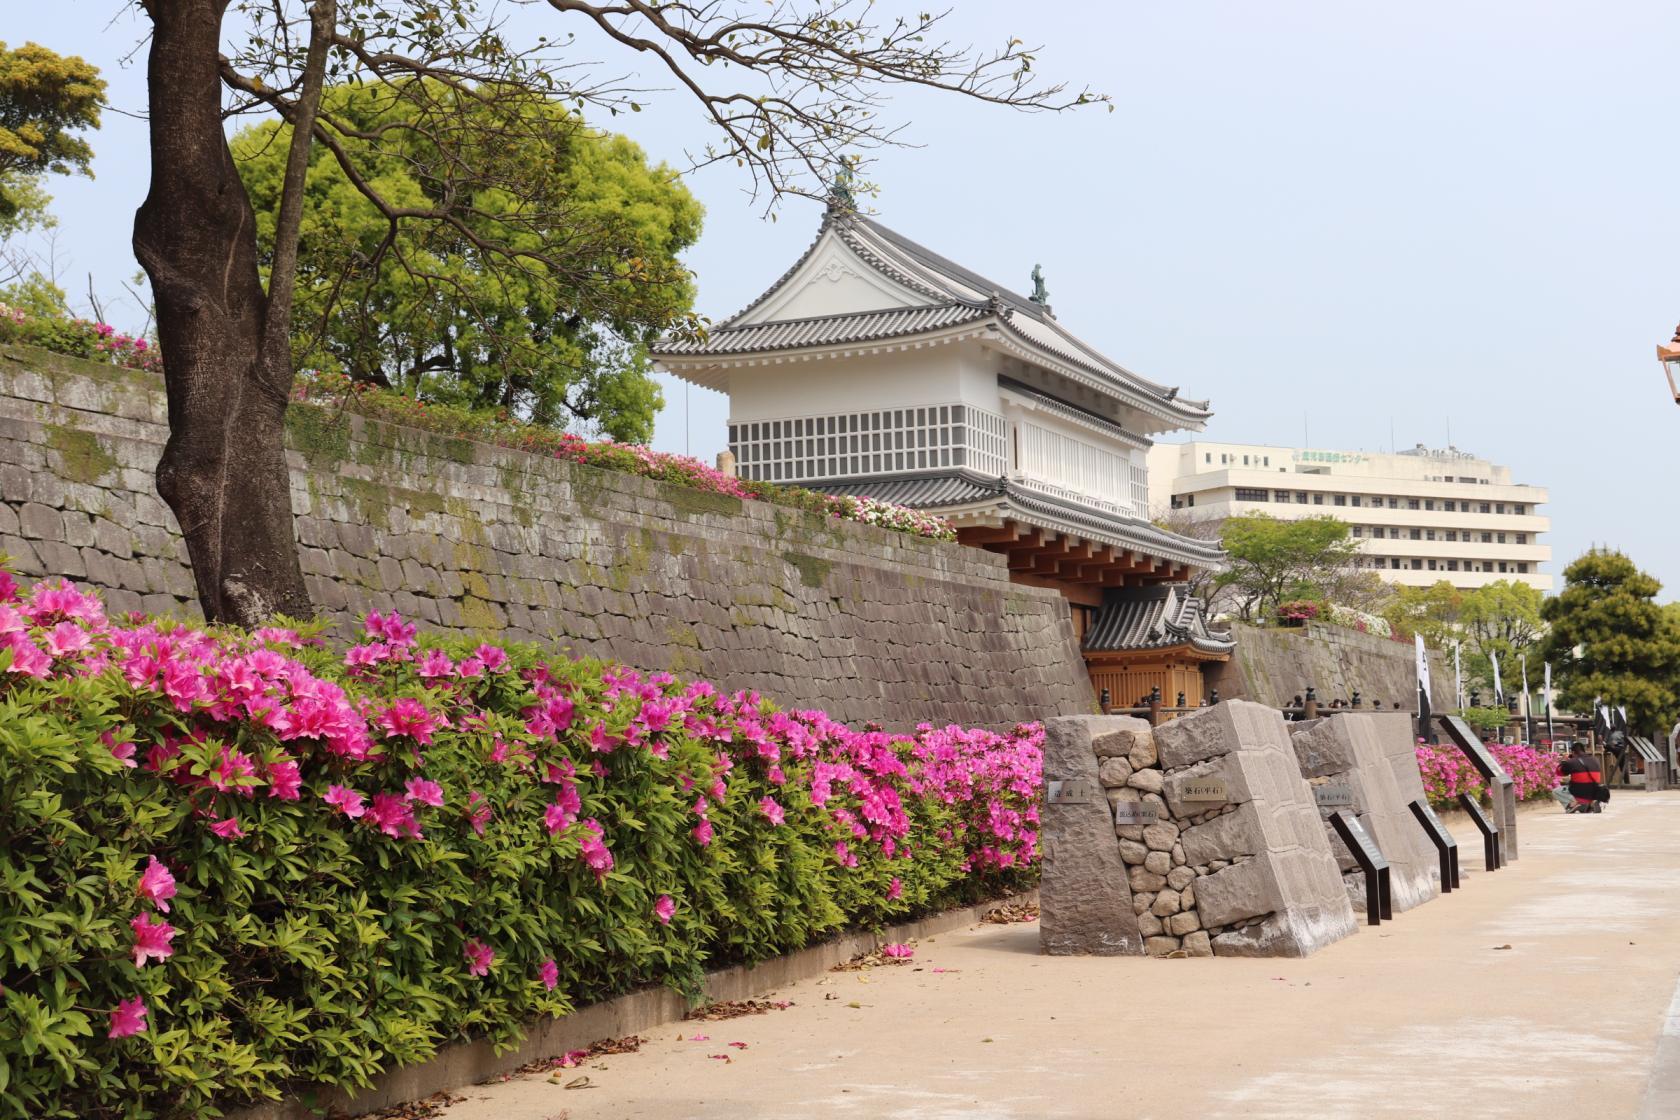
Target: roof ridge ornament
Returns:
[[1040, 295], [840, 191]]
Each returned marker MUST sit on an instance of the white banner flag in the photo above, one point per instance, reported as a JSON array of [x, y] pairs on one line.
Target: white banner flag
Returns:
[[1498, 685], [1546, 689], [1458, 673]]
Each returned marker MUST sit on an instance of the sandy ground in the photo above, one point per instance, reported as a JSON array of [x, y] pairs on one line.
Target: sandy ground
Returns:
[[1540, 990]]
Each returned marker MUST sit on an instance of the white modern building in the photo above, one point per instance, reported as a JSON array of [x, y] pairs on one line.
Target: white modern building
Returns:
[[1422, 515], [875, 366]]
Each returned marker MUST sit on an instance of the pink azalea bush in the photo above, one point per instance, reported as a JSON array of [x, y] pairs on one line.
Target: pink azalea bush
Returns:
[[80, 338], [1447, 773], [235, 860]]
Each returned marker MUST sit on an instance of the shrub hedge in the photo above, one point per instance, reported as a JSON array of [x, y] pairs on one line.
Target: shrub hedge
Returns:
[[234, 860]]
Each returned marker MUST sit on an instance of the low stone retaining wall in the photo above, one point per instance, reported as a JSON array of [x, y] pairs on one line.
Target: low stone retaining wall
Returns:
[[1372, 756], [1196, 838], [469, 1063]]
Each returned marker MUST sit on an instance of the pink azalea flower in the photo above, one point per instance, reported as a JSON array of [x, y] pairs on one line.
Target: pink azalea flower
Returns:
[[346, 801], [424, 792], [494, 657], [409, 717], [703, 832], [128, 1018], [393, 816], [478, 812], [664, 909], [549, 974], [898, 950], [434, 664], [151, 938], [27, 659], [895, 890], [66, 639], [228, 829], [479, 957], [594, 850], [284, 780], [157, 885], [771, 810]]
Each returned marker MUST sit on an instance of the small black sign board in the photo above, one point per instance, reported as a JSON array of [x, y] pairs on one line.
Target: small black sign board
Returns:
[[1443, 841], [1379, 897], [1489, 830], [1470, 744]]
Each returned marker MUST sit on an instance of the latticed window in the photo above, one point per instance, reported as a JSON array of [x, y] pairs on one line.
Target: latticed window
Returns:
[[881, 441]]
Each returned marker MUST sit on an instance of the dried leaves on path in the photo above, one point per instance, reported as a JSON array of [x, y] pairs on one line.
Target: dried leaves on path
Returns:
[[735, 1008], [1013, 912]]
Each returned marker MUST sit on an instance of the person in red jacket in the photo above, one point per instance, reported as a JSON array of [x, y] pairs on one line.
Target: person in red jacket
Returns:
[[1581, 772]]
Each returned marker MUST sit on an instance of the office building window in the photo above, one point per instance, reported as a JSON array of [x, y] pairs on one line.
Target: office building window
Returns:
[[1522, 538], [1519, 510], [1450, 507], [1429, 534], [1502, 565], [1318, 499], [1429, 503], [1341, 499], [1487, 538], [1281, 496], [1249, 494], [1452, 534], [1355, 499], [1484, 507], [1394, 503], [1207, 457], [1417, 534], [1452, 565], [1499, 507], [1501, 537], [1417, 565], [1301, 496], [1394, 563], [1411, 503], [1268, 461], [1522, 569], [1357, 531]]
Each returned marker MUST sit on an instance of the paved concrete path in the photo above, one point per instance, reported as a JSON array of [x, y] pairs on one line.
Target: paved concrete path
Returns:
[[1541, 990]]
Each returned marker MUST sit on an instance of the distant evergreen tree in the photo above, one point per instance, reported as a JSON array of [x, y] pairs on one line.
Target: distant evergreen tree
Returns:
[[1609, 639]]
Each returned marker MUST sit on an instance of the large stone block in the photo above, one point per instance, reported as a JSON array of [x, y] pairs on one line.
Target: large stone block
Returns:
[[1224, 837], [1362, 745], [1085, 898], [1241, 891]]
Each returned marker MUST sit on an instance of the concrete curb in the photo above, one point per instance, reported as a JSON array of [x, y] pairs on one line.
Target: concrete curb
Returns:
[[468, 1063]]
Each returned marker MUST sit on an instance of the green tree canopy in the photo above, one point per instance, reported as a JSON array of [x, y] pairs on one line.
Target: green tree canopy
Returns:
[[1272, 559], [1436, 612], [1609, 639], [45, 99], [557, 340]]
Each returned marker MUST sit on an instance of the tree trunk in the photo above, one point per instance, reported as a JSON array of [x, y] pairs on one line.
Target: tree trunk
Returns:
[[223, 470]]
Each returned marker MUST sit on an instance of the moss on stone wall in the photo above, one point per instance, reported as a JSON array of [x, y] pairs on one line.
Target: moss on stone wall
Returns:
[[689, 502], [85, 458], [813, 570], [322, 438]]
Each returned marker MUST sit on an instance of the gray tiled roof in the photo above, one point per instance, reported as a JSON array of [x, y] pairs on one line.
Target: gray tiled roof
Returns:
[[953, 490], [1158, 617], [825, 330], [955, 295]]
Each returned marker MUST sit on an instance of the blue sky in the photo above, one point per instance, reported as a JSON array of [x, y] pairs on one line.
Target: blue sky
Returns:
[[1351, 218]]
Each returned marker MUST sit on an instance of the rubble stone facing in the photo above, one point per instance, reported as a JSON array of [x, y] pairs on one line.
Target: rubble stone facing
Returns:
[[1249, 876], [1085, 901], [866, 623], [1372, 754]]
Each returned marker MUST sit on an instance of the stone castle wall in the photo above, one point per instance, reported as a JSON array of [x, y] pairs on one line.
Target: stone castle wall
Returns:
[[1273, 664], [866, 623]]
